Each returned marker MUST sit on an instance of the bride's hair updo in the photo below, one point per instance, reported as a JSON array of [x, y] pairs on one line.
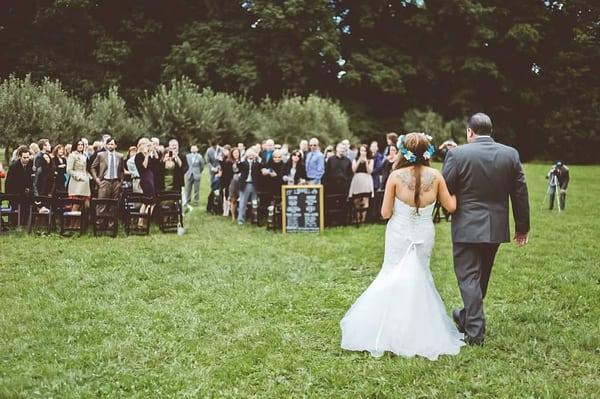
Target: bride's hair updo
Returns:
[[415, 150]]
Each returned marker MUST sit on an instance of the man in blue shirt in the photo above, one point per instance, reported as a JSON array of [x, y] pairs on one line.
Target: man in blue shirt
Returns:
[[315, 162]]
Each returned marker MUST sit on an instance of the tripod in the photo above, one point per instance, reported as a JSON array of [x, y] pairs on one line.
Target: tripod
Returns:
[[553, 184]]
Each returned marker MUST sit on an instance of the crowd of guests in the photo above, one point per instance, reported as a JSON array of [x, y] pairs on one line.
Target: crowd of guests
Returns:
[[239, 176], [83, 171]]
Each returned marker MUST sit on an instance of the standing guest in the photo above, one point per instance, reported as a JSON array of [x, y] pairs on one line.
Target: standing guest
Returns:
[[213, 153], [242, 148], [350, 150], [143, 164], [388, 164], [34, 148], [294, 171], [230, 182], [362, 181], [272, 176], [338, 172], [79, 179], [193, 175], [68, 149], [60, 169], [175, 167], [329, 152], [285, 152], [156, 163], [132, 170], [93, 151], [249, 177], [391, 141], [108, 172], [266, 154], [445, 147], [377, 165], [315, 162], [44, 173], [19, 180], [303, 149]]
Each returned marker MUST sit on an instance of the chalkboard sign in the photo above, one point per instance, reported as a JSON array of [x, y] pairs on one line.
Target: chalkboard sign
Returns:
[[302, 208]]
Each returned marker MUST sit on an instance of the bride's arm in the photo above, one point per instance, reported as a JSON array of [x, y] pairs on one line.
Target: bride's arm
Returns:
[[448, 201], [388, 197]]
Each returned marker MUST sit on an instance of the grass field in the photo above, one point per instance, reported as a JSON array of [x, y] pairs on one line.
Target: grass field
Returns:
[[226, 311]]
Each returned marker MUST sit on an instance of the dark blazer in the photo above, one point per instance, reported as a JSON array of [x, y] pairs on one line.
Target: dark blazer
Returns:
[[273, 184], [44, 174], [338, 175], [244, 170], [18, 178], [483, 175]]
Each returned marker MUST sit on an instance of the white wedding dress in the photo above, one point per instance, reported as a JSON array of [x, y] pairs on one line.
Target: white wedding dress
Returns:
[[401, 311]]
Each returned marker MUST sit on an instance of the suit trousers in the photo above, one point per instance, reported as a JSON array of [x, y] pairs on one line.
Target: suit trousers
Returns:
[[192, 183], [473, 266], [562, 197], [108, 189], [249, 192]]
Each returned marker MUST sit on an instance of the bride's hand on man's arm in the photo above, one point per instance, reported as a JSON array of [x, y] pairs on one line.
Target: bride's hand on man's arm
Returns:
[[447, 200]]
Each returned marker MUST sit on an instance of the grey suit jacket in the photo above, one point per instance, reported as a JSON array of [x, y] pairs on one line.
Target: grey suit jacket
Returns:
[[100, 165], [483, 175], [195, 166]]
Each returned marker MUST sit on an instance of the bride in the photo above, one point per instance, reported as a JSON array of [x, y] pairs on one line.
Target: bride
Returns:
[[401, 311]]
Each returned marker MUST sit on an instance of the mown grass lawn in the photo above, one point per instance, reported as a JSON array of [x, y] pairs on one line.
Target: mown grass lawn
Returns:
[[226, 311]]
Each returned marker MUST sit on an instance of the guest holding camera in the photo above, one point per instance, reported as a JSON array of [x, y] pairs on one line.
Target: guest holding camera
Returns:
[[558, 179], [362, 181], [143, 164], [175, 167], [273, 176]]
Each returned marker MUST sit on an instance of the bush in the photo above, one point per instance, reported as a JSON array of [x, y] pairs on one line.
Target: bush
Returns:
[[295, 118], [109, 115], [433, 124], [30, 111], [182, 111]]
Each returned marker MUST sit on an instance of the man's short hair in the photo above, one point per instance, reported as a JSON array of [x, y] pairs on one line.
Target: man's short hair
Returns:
[[480, 124], [42, 142], [22, 150]]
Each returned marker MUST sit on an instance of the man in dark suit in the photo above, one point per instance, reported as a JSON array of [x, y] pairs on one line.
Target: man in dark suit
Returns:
[[108, 172], [44, 169], [249, 177], [484, 175], [19, 180], [338, 172]]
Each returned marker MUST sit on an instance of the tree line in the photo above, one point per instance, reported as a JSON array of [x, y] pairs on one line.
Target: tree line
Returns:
[[390, 64]]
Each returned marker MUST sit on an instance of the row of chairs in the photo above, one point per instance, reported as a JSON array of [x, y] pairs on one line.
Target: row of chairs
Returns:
[[69, 215]]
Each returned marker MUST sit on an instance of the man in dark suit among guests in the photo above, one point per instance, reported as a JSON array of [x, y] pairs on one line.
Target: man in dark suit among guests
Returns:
[[19, 180], [338, 172], [44, 169]]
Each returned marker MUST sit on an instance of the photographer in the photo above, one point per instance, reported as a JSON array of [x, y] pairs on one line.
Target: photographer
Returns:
[[558, 176], [174, 167]]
